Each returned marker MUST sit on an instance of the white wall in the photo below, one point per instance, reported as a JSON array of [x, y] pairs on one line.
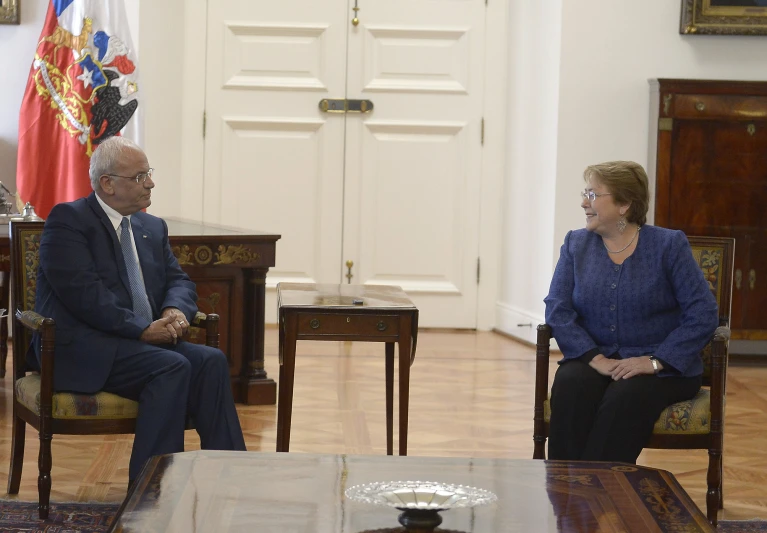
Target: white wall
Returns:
[[609, 51], [17, 50], [531, 163]]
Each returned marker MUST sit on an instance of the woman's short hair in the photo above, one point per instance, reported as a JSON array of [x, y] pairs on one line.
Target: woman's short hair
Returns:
[[627, 182], [106, 157]]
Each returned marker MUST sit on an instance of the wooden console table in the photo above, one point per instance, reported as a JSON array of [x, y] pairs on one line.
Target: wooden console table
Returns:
[[229, 267], [347, 313]]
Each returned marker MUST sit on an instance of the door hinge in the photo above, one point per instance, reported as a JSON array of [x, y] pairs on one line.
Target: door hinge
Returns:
[[204, 123], [482, 132], [477, 270]]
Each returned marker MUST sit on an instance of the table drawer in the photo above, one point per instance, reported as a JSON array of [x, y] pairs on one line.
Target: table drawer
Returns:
[[348, 324]]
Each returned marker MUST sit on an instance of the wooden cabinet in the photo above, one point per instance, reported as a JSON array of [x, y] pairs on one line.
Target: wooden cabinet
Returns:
[[711, 179]]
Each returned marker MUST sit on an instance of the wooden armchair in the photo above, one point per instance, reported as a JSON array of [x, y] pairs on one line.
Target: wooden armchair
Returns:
[[34, 400], [694, 424]]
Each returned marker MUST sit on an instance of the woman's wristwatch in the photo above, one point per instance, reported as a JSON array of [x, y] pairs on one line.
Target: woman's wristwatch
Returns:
[[655, 364]]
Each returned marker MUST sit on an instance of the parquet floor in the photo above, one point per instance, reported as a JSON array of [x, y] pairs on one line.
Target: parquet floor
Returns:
[[471, 395]]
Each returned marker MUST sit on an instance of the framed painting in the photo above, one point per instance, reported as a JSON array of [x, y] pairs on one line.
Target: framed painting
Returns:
[[9, 11], [724, 17]]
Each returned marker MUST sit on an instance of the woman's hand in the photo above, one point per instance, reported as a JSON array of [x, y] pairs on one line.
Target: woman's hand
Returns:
[[633, 366], [603, 365]]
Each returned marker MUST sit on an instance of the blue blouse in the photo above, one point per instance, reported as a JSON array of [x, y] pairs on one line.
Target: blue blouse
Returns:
[[656, 303]]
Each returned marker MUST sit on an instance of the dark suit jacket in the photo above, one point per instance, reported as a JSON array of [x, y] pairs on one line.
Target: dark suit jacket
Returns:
[[82, 283]]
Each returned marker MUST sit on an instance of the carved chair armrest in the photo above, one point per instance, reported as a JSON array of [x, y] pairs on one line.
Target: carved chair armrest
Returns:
[[46, 327], [210, 324], [722, 332], [30, 320]]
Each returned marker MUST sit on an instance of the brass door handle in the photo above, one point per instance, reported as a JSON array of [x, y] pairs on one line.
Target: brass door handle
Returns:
[[752, 279], [356, 8], [738, 278], [342, 105], [349, 275]]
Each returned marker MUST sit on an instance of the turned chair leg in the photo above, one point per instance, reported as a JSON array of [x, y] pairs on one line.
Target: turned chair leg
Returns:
[[18, 432], [714, 481], [44, 477]]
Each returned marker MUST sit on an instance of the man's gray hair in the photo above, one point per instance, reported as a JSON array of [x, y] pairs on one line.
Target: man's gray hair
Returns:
[[106, 157]]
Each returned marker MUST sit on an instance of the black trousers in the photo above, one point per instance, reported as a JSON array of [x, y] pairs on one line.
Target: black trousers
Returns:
[[594, 418], [170, 382]]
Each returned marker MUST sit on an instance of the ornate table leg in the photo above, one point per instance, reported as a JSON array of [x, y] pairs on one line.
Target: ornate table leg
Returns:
[[257, 388]]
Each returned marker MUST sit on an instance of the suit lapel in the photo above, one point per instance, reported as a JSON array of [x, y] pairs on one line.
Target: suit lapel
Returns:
[[119, 259]]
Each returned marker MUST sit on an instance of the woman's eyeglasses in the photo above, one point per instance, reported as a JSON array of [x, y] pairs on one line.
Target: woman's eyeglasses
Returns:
[[591, 195]]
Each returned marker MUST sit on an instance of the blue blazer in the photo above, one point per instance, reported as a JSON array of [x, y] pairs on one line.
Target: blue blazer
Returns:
[[656, 303], [82, 283]]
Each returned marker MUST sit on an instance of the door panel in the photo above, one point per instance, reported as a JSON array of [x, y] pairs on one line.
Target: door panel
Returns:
[[273, 161], [413, 165], [395, 190]]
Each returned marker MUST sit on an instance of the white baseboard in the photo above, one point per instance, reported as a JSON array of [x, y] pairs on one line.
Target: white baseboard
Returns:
[[519, 323]]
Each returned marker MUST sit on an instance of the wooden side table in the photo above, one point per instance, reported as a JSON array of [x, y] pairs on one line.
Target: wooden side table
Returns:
[[346, 313]]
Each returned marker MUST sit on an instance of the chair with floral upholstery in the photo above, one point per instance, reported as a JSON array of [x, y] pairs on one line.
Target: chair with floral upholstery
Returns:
[[694, 424], [34, 400]]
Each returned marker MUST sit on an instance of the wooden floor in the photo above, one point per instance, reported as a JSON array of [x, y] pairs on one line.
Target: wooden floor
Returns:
[[471, 395]]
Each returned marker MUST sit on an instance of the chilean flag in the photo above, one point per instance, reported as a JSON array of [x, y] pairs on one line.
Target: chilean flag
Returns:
[[82, 89]]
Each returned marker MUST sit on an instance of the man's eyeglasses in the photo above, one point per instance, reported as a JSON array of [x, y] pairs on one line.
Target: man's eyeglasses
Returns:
[[141, 177], [591, 195]]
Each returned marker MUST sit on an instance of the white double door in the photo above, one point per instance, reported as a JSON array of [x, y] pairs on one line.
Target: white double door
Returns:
[[396, 190]]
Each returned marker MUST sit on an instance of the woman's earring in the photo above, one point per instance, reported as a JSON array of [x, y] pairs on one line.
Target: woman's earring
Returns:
[[622, 224]]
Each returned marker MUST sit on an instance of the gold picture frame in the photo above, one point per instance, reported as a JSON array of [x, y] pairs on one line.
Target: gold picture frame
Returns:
[[9, 12], [723, 17]]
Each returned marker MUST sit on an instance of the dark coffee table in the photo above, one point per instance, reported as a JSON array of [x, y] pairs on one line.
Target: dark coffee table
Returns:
[[228, 492]]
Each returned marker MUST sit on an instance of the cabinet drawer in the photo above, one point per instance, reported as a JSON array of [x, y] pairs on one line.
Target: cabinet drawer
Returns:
[[352, 325], [708, 106]]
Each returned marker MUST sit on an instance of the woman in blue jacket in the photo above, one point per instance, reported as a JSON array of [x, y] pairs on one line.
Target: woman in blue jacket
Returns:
[[631, 311]]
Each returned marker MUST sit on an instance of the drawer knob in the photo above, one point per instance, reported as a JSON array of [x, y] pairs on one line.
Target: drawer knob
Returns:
[[314, 323], [382, 326], [700, 106]]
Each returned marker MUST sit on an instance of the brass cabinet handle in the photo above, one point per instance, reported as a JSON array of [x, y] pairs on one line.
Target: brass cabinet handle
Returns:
[[314, 323], [738, 278], [700, 106], [752, 279], [349, 275], [381, 326]]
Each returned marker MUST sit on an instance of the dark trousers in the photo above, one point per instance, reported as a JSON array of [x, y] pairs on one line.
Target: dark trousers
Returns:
[[170, 382], [594, 418]]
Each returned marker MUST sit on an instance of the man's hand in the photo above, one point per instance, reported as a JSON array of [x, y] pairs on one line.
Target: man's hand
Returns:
[[178, 322], [633, 366], [603, 365], [160, 332]]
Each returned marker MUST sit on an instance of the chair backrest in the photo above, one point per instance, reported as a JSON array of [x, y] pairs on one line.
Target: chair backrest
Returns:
[[25, 260], [716, 257]]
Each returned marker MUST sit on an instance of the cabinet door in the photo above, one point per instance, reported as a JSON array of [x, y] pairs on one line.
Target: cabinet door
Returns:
[[718, 187]]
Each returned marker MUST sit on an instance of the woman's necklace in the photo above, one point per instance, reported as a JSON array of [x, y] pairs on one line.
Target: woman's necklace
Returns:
[[622, 249]]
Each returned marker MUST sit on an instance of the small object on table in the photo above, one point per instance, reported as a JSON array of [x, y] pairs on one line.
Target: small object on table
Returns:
[[420, 501]]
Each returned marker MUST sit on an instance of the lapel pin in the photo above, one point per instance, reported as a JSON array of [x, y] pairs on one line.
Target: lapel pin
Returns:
[[144, 236]]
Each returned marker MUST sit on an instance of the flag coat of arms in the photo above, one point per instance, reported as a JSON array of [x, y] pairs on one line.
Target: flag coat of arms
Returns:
[[82, 89]]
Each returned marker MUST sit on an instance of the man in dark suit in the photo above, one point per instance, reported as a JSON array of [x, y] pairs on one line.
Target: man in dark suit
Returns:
[[122, 305]]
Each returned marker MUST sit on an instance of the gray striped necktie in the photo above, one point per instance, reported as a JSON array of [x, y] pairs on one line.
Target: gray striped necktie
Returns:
[[137, 289]]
